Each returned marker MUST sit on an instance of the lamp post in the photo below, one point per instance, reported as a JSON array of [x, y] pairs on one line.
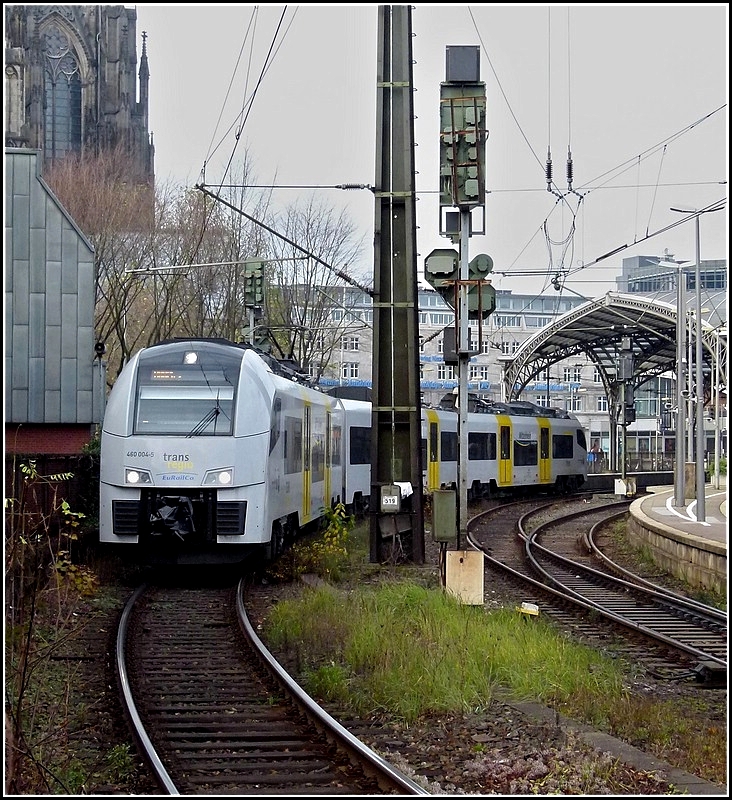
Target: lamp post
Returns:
[[717, 409], [682, 394], [690, 386], [700, 437]]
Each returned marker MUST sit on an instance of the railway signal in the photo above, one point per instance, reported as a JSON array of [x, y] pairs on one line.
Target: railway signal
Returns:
[[254, 282]]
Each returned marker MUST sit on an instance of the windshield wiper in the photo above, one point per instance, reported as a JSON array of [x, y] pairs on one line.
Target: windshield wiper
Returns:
[[206, 421]]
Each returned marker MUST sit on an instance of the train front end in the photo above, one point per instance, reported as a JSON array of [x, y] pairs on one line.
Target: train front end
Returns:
[[183, 452]]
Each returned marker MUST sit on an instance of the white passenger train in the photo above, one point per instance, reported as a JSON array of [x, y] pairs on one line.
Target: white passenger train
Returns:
[[212, 450]]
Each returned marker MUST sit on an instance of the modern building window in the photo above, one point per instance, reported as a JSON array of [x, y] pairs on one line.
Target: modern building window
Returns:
[[709, 279], [572, 374], [596, 376], [602, 403], [503, 321], [349, 369], [445, 372], [349, 343], [509, 348]]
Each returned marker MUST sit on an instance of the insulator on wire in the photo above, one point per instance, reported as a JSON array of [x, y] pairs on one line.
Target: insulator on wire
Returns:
[[549, 170], [570, 169]]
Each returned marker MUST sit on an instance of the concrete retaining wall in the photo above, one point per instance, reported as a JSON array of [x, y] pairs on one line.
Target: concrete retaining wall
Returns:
[[698, 561]]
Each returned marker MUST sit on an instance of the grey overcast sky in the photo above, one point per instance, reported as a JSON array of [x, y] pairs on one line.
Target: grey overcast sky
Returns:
[[638, 93]]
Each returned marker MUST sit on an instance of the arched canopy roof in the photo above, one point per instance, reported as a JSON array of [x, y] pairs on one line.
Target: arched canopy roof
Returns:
[[599, 329]]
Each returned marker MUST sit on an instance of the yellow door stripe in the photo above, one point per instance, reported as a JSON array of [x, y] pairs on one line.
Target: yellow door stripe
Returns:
[[504, 445], [545, 464], [433, 451]]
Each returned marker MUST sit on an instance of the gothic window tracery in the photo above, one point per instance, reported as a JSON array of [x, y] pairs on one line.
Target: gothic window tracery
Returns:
[[62, 96]]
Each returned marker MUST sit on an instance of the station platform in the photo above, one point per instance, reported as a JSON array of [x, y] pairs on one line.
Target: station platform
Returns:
[[659, 505], [694, 550]]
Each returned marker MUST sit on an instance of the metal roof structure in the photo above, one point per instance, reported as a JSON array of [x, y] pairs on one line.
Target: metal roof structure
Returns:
[[600, 330]]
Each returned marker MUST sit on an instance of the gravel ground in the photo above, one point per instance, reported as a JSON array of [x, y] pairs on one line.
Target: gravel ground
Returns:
[[510, 749], [518, 748]]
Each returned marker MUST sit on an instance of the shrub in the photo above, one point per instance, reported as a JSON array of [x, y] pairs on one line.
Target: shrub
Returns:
[[324, 555]]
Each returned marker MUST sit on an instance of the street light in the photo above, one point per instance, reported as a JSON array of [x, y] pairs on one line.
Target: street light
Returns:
[[717, 408], [680, 485], [679, 499], [700, 437]]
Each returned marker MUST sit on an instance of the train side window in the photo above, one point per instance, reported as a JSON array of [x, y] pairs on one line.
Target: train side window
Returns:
[[317, 457], [505, 442], [360, 450], [448, 445], [293, 445], [274, 429], [562, 446], [336, 446], [482, 446], [525, 454], [479, 446], [433, 442], [581, 441]]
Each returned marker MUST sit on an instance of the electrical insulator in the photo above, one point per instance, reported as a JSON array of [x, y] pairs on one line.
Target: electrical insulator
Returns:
[[570, 169], [549, 171]]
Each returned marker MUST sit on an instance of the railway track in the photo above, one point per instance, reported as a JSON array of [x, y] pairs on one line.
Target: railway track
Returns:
[[555, 552], [213, 713]]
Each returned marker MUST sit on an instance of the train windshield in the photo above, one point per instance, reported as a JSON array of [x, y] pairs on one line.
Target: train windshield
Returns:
[[188, 393]]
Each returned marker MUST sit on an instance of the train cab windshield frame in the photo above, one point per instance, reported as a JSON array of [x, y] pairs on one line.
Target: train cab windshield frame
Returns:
[[189, 392]]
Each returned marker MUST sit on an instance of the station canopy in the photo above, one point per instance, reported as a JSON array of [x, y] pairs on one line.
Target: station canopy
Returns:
[[600, 330]]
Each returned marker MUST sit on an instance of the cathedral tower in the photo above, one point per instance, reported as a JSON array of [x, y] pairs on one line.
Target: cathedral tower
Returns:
[[71, 83]]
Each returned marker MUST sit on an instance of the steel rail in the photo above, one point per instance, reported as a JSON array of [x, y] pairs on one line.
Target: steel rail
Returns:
[[388, 777]]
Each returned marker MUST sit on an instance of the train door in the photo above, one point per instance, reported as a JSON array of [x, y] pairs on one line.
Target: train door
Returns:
[[505, 463], [545, 464], [433, 451], [306, 471]]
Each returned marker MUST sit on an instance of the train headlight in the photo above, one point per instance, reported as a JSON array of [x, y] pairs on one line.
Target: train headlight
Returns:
[[136, 476], [219, 477]]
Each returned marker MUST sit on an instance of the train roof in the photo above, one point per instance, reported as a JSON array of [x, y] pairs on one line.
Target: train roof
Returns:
[[362, 393], [515, 408], [285, 368]]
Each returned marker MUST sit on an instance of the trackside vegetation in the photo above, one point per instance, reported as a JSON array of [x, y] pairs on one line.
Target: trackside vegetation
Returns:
[[405, 646], [415, 650]]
